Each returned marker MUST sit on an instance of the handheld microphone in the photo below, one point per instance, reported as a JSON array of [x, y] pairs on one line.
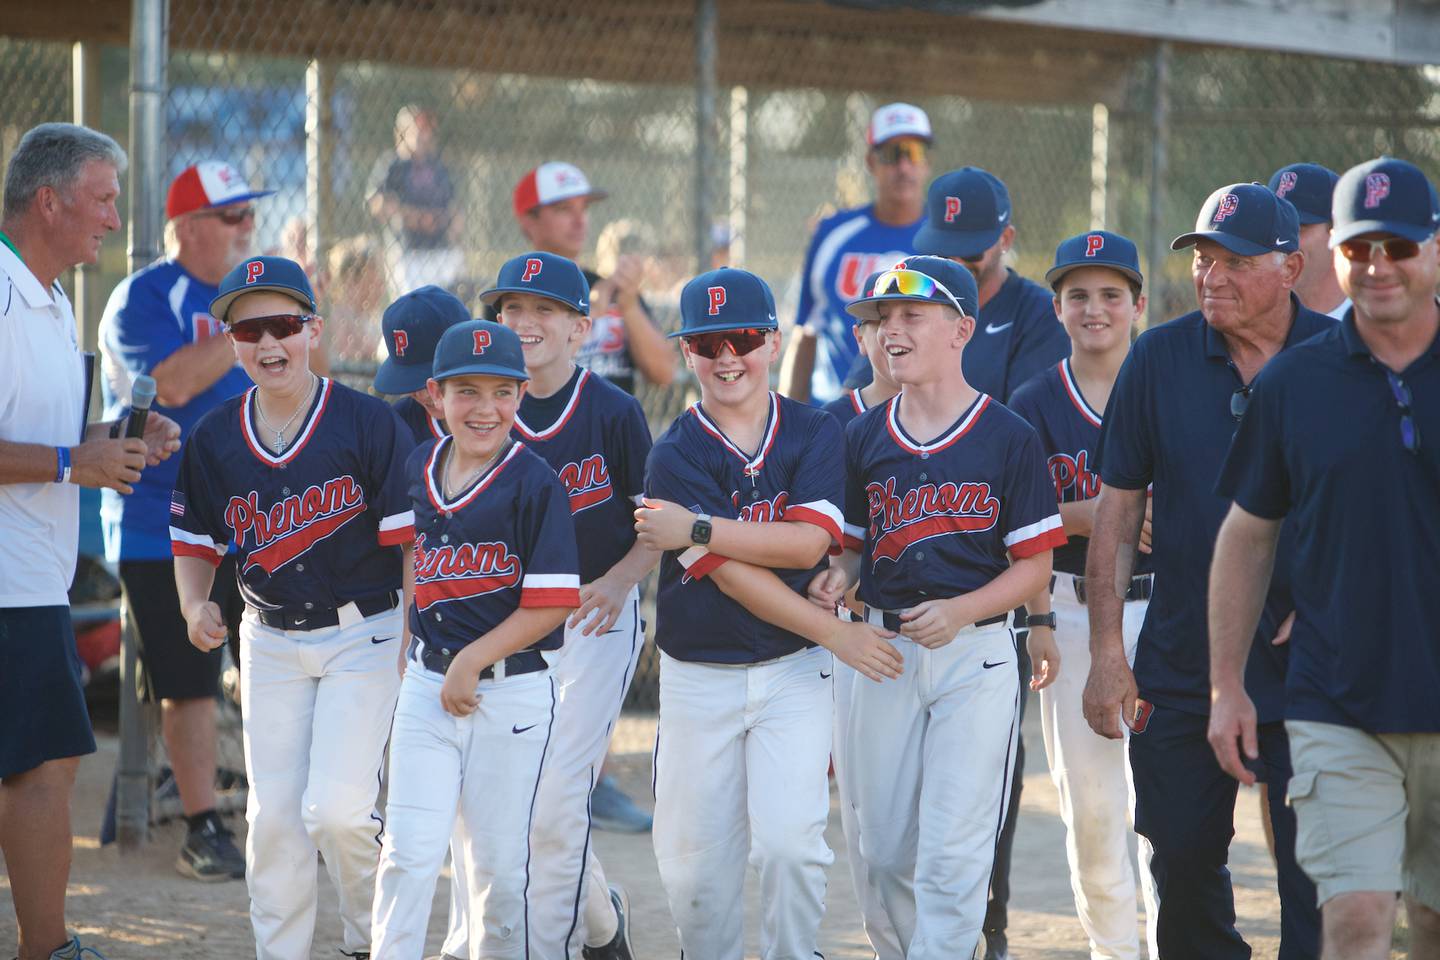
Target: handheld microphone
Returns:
[[142, 394]]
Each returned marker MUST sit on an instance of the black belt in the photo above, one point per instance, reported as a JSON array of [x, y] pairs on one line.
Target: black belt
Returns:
[[438, 661], [1140, 588], [892, 620], [299, 618]]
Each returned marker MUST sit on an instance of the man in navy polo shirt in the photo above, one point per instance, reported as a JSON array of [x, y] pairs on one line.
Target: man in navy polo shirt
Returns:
[[1343, 436], [1169, 423], [1309, 187]]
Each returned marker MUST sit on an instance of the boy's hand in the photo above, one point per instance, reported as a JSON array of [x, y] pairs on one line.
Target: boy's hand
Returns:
[[1044, 657], [204, 626], [827, 588], [662, 525], [934, 623], [866, 649], [605, 599], [457, 694]]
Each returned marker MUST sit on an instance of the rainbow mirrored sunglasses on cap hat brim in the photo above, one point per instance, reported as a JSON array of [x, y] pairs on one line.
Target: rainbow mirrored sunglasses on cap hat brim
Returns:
[[916, 285]]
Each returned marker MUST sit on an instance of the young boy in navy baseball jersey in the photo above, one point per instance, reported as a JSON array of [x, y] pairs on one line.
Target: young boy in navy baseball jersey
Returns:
[[412, 326], [306, 478], [1097, 284], [495, 575], [950, 506], [743, 494]]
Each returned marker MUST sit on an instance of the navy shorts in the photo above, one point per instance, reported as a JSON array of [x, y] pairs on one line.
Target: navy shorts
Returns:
[[42, 704], [171, 667]]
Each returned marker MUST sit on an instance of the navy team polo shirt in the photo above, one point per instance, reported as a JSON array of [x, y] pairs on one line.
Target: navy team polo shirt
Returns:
[[1321, 445], [1168, 423]]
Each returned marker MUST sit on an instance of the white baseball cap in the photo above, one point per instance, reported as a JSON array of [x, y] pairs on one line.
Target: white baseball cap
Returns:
[[898, 120], [212, 183], [550, 183]]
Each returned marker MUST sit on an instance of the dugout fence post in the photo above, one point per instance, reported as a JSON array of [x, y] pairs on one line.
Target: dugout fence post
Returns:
[[1159, 173], [85, 104], [148, 37], [706, 84]]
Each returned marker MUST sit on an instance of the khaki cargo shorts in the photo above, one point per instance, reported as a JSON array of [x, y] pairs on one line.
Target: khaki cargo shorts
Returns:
[[1368, 809]]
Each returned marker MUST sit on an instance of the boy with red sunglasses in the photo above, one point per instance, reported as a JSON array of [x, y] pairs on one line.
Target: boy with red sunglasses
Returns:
[[306, 478], [743, 494]]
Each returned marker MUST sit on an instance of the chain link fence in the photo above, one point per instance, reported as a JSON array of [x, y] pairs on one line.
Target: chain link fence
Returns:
[[322, 133]]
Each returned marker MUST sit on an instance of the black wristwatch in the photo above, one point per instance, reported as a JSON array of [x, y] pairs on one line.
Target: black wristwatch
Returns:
[[1041, 620], [700, 531]]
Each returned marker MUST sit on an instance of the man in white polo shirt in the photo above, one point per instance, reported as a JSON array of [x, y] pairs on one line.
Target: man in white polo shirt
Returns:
[[59, 202]]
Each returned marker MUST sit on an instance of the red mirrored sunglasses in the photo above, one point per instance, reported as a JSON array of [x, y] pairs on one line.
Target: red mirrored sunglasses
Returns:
[[740, 342], [280, 326], [1362, 250]]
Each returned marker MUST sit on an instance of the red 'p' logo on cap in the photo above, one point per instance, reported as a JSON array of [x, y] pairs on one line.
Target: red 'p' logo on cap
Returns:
[[717, 300], [952, 209], [1288, 179], [402, 342], [1094, 244], [482, 340], [533, 265], [254, 270], [1228, 205], [1377, 188]]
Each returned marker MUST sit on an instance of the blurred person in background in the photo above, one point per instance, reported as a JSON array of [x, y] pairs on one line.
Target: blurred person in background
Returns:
[[413, 197], [157, 322], [1310, 188], [355, 281]]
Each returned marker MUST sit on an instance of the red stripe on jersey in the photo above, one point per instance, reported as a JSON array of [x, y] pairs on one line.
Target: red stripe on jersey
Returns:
[[891, 544], [854, 543], [897, 433], [276, 554], [585, 499], [460, 588], [550, 597], [1039, 543], [262, 452], [397, 537], [806, 515], [1072, 390], [772, 430], [564, 418], [857, 401], [180, 548], [703, 567]]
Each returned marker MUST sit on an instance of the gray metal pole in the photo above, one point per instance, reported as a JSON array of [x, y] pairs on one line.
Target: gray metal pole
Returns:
[[85, 96], [706, 145], [319, 159], [1159, 176], [148, 38]]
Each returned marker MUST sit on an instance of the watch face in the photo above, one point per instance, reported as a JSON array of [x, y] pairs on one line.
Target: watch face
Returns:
[[700, 532]]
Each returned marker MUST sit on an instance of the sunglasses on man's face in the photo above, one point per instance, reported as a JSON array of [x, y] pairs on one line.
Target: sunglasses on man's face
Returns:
[[230, 216], [893, 151], [740, 342], [279, 326], [1363, 251]]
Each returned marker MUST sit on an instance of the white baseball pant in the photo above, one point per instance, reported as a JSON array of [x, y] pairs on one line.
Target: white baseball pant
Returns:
[[569, 896], [930, 756], [316, 708], [1097, 792], [487, 768], [740, 774]]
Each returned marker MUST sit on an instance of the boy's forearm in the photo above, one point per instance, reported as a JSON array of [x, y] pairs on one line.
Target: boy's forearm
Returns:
[[194, 578], [634, 566], [768, 597], [783, 545], [1023, 580], [524, 627]]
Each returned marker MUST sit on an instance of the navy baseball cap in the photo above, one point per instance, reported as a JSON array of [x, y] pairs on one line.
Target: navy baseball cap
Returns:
[[1247, 219], [412, 327], [276, 274], [480, 348], [1309, 186], [545, 275], [1385, 195], [726, 299], [953, 285], [966, 210], [1098, 248]]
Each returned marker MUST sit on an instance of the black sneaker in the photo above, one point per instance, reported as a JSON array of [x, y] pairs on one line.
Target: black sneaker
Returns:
[[210, 855], [997, 947], [619, 947]]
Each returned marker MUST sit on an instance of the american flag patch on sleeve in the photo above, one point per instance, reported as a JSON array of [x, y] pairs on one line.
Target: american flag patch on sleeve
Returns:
[[177, 504]]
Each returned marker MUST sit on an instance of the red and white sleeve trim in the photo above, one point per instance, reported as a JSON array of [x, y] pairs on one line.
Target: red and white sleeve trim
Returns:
[[1037, 537], [397, 529], [550, 590], [854, 537], [699, 562], [823, 514], [183, 543]]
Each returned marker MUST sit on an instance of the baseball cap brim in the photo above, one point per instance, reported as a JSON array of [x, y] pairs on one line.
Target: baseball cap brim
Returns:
[[1409, 231], [220, 306], [594, 196], [491, 297], [1307, 218], [965, 244], [928, 138], [1246, 248], [1055, 273], [770, 324], [397, 379], [485, 370], [866, 308]]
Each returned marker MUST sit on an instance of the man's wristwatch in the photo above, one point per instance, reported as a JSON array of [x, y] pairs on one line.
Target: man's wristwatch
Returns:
[[700, 530], [1041, 620]]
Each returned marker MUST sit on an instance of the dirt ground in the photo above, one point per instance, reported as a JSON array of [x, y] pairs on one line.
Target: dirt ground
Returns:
[[136, 907]]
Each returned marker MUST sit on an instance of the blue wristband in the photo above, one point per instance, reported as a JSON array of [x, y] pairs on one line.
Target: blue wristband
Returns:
[[62, 464]]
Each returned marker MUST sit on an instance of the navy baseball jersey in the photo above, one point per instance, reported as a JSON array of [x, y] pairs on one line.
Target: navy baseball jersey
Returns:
[[1069, 430], [1169, 424], [593, 434], [1324, 444], [504, 542], [846, 248], [316, 526], [846, 407], [150, 315], [797, 475], [939, 519], [422, 426]]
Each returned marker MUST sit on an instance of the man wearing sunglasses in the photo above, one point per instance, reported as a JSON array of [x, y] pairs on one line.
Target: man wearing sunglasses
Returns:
[[852, 244], [158, 322], [1340, 437], [1169, 422], [1310, 188]]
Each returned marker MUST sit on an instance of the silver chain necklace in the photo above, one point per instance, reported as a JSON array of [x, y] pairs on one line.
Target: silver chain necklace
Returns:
[[279, 431], [451, 491]]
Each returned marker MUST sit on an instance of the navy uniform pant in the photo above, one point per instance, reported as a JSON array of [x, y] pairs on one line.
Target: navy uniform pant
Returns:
[[1185, 807]]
